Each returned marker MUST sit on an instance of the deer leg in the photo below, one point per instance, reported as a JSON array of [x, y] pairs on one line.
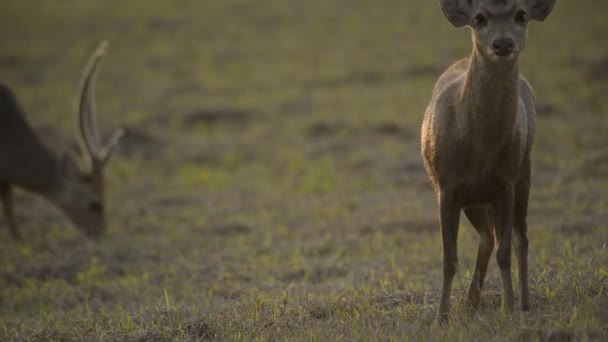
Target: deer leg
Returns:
[[503, 210], [520, 238], [480, 219], [449, 215], [7, 203]]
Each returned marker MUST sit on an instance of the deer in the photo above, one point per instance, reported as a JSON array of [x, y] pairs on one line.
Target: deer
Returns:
[[28, 163], [476, 141]]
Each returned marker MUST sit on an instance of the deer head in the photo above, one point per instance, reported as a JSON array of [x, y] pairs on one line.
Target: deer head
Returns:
[[499, 27]]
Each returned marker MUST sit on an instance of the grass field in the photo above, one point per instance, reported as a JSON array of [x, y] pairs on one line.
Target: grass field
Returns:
[[270, 185]]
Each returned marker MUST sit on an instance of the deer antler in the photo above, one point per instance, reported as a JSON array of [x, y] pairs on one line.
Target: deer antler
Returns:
[[95, 153]]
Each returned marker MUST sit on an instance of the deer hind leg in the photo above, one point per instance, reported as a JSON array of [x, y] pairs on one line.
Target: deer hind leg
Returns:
[[503, 210], [6, 195], [449, 216], [520, 239], [480, 219]]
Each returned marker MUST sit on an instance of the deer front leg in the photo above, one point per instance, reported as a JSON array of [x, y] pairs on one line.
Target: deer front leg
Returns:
[[449, 216], [503, 209], [6, 196], [480, 219]]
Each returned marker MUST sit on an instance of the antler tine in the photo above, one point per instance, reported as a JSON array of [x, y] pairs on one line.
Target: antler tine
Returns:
[[89, 137], [107, 150]]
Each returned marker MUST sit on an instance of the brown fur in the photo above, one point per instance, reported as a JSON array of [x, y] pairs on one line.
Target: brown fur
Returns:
[[477, 135]]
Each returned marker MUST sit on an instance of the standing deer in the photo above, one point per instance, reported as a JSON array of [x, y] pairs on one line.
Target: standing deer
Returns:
[[477, 134], [26, 162]]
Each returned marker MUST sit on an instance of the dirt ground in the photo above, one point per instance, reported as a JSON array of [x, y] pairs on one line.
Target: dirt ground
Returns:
[[270, 185]]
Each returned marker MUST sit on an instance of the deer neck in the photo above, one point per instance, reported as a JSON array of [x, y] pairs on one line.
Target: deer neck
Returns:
[[489, 98], [39, 171]]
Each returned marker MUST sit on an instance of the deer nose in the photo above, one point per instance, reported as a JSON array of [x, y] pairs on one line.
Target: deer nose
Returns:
[[503, 47]]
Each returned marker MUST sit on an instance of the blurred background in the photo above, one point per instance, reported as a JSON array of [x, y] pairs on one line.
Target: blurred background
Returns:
[[270, 183]]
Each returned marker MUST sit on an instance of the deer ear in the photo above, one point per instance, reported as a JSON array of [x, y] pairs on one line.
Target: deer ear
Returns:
[[68, 167], [458, 12], [540, 9]]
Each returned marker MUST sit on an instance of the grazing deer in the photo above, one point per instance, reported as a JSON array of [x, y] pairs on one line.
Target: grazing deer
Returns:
[[477, 134], [26, 162]]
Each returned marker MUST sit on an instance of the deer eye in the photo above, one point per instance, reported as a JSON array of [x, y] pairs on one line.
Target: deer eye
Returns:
[[480, 20], [96, 206], [521, 17]]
